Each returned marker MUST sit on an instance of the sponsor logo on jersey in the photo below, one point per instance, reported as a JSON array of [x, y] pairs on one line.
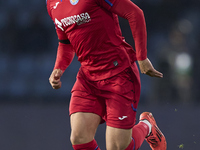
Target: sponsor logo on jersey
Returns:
[[74, 2], [78, 19], [59, 24]]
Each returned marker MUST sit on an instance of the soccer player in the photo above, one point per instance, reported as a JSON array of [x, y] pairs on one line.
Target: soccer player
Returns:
[[107, 87]]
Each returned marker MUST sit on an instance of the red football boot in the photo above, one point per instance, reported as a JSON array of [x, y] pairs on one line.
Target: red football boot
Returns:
[[156, 139]]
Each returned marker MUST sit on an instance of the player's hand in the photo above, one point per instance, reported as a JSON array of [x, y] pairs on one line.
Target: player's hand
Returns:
[[54, 78], [147, 68]]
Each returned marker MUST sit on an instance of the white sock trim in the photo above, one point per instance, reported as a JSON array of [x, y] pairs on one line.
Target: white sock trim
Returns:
[[148, 124]]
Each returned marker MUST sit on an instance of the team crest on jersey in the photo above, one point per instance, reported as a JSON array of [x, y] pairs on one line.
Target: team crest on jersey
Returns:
[[74, 2]]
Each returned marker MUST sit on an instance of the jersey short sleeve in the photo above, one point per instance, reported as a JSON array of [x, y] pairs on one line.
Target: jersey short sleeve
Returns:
[[108, 4], [61, 35]]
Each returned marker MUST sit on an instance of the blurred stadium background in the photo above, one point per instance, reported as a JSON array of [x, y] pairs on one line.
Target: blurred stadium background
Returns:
[[33, 116]]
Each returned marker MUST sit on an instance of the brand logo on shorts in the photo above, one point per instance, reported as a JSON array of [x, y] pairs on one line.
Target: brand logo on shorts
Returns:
[[122, 118], [74, 2]]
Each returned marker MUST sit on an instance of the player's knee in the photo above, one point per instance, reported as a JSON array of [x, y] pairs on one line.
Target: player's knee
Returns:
[[76, 138], [80, 138], [117, 146]]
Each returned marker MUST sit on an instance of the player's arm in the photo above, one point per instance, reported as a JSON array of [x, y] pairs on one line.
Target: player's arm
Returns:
[[65, 55], [128, 10]]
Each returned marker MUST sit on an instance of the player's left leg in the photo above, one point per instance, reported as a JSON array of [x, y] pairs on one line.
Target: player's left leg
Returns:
[[121, 109], [126, 139], [118, 139]]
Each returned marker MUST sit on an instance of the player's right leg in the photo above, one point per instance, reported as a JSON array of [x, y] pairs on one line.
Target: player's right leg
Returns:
[[83, 127], [86, 112]]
